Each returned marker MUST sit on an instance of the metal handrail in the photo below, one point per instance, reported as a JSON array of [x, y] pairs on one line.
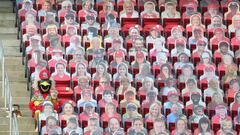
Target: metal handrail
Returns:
[[7, 94]]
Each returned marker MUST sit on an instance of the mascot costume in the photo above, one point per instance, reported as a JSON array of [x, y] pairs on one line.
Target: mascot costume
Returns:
[[41, 93]]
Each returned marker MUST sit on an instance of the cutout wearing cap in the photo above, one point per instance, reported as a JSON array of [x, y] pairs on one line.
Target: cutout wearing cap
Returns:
[[91, 16], [88, 104], [44, 74], [131, 106], [170, 93], [205, 55], [119, 54], [93, 31], [69, 14], [210, 69]]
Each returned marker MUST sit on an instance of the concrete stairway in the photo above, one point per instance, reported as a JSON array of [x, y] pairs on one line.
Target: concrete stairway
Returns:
[[15, 71]]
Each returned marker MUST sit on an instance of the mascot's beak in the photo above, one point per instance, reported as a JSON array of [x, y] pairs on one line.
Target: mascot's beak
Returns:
[[45, 86]]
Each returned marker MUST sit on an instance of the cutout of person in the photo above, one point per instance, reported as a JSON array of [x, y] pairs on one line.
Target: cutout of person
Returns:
[[223, 48], [151, 98], [195, 21], [216, 22], [128, 10], [88, 112], [219, 35], [49, 19], [201, 48], [204, 127], [165, 72], [83, 84], [212, 10], [235, 41], [35, 44], [133, 34], [75, 44], [227, 61], [93, 127], [27, 6], [205, 61], [110, 112], [90, 21], [55, 44], [78, 57], [117, 46], [195, 100], [81, 70], [197, 34], [46, 7], [234, 87], [170, 10], [72, 126], [155, 112], [237, 118], [161, 59], [113, 127], [71, 31], [31, 30], [147, 85], [137, 126], [233, 9], [216, 100], [176, 34], [213, 86], [118, 58], [181, 128], [108, 8], [51, 126], [187, 72], [87, 8], [137, 45], [230, 74], [155, 34], [122, 71], [86, 97], [131, 113], [191, 9], [60, 73], [235, 24], [198, 113], [67, 112], [37, 57], [69, 19], [66, 8], [52, 33], [236, 103], [191, 87], [125, 85], [35, 75], [129, 97], [208, 74], [57, 57], [144, 71], [158, 46], [48, 110], [107, 97], [176, 112], [149, 10], [140, 59], [173, 98], [104, 84], [30, 18], [96, 51], [112, 32], [183, 59], [226, 128], [159, 127], [170, 85], [179, 47], [101, 71], [91, 33]]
